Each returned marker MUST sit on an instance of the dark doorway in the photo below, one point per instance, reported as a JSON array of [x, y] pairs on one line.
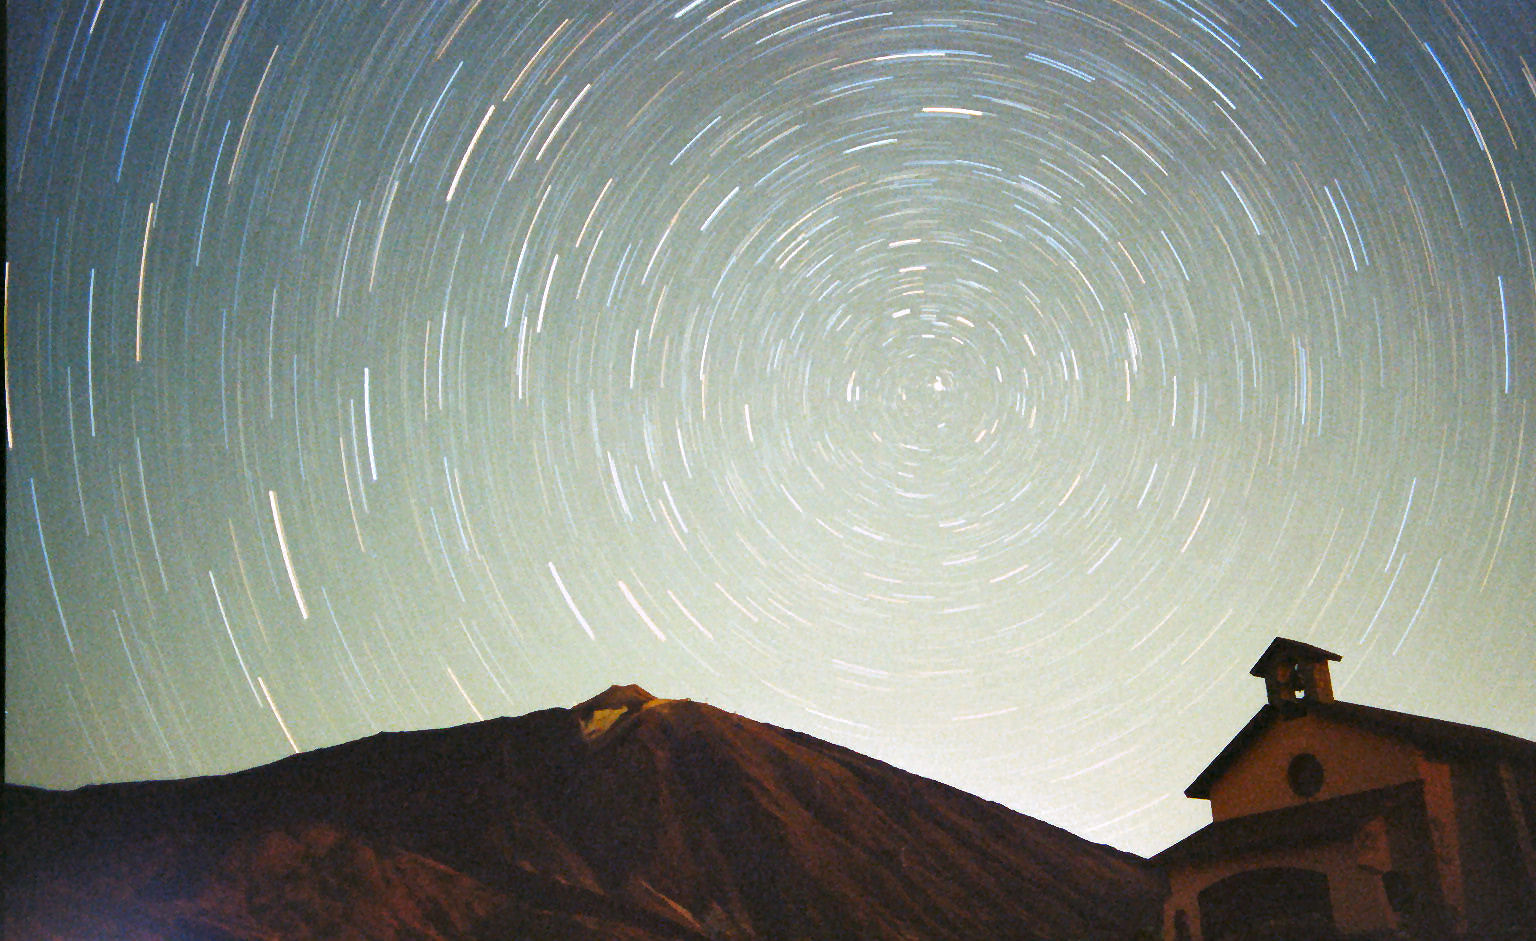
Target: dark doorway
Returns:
[[1275, 904]]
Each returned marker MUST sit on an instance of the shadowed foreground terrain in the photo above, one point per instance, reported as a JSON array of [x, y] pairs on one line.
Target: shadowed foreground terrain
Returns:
[[627, 817]]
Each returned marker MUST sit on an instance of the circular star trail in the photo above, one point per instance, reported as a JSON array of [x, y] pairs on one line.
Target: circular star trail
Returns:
[[980, 386]]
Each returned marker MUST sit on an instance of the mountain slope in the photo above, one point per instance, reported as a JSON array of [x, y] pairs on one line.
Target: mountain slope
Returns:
[[625, 817]]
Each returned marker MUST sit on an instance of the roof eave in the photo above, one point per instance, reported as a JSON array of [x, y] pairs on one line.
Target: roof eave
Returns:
[[1200, 787]]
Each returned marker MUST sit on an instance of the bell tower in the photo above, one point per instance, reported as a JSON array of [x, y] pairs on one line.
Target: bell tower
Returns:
[[1295, 672]]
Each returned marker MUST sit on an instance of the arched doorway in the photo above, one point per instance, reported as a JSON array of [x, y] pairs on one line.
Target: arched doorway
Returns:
[[1273, 904]]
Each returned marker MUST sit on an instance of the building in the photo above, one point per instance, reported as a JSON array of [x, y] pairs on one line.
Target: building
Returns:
[[1336, 820]]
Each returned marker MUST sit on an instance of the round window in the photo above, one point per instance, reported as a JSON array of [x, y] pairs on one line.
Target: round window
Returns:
[[1305, 774]]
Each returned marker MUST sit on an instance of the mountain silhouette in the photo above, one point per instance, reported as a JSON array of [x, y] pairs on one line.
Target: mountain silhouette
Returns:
[[625, 817]]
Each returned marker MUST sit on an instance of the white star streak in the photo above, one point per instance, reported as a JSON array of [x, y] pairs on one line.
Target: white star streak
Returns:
[[277, 715], [570, 602], [282, 541]]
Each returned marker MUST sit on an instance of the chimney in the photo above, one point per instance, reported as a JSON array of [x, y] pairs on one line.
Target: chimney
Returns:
[[1295, 672]]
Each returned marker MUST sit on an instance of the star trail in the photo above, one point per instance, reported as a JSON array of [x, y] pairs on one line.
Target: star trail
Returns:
[[979, 386]]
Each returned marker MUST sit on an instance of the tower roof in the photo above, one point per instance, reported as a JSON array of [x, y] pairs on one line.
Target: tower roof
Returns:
[[1283, 648]]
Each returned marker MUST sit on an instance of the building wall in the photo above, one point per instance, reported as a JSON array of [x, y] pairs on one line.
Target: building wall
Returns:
[[1352, 760], [1359, 899], [1499, 891]]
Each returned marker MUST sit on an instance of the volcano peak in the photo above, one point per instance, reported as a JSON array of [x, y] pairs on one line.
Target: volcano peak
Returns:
[[615, 697], [599, 714]]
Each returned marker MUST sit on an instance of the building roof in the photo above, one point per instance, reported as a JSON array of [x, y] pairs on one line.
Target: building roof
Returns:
[[1307, 824], [1438, 738]]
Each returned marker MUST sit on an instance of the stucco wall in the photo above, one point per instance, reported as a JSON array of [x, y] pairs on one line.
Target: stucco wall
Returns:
[[1445, 837]]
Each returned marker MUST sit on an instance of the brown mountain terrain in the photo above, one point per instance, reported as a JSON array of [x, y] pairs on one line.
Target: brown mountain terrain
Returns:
[[627, 817]]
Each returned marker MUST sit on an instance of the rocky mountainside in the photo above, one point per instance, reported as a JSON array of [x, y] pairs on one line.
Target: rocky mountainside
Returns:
[[627, 817]]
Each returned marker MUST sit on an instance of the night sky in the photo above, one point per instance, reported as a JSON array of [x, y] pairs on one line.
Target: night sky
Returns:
[[979, 386]]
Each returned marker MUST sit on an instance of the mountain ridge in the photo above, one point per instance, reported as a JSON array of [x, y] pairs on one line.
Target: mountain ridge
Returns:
[[626, 815]]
